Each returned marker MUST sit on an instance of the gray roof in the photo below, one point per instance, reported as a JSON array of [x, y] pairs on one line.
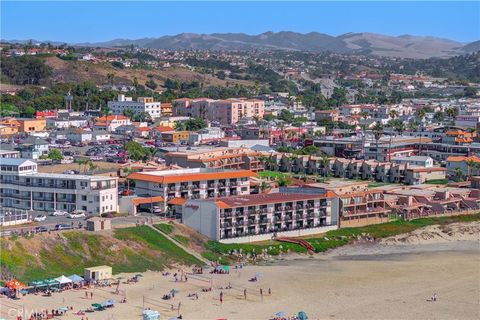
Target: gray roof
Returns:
[[14, 161], [412, 158]]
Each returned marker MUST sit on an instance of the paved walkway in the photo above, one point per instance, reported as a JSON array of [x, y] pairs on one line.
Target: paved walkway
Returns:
[[190, 251]]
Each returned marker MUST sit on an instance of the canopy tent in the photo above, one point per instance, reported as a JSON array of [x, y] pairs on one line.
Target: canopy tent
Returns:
[[63, 280], [14, 284], [75, 278], [52, 282], [108, 303]]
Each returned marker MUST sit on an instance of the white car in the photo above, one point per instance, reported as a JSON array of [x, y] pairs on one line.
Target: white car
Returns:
[[58, 213], [40, 217], [76, 215]]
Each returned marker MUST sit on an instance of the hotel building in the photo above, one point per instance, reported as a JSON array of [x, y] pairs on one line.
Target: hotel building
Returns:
[[258, 217], [23, 187], [174, 187]]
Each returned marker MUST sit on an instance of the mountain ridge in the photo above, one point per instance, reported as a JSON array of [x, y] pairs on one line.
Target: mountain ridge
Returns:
[[403, 46]]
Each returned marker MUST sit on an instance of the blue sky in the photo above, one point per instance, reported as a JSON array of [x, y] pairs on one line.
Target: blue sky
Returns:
[[98, 21]]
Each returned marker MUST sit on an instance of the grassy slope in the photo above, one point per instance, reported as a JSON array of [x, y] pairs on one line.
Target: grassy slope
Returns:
[[335, 238], [133, 249]]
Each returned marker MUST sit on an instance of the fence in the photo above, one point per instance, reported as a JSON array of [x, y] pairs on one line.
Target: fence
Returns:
[[13, 216]]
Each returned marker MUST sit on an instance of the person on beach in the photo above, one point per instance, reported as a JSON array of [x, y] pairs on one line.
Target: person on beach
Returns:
[[86, 295], [179, 305], [261, 293], [91, 295], [434, 298], [221, 297], [269, 291], [245, 294]]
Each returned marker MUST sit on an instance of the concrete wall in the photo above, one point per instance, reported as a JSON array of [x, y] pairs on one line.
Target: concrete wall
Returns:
[[202, 216], [268, 236]]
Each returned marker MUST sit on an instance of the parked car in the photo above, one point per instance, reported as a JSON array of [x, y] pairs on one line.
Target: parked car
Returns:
[[58, 213], [63, 226], [40, 217], [41, 229], [77, 214]]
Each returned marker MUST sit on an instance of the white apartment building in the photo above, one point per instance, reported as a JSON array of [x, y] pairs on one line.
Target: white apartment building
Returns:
[[143, 104], [176, 186], [421, 161], [23, 187]]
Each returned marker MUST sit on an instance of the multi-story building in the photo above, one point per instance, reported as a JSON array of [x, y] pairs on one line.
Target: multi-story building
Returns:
[[226, 112], [218, 158], [9, 153], [25, 124], [362, 205], [258, 217], [176, 186], [206, 135], [23, 187], [421, 161], [175, 136], [142, 105], [111, 122]]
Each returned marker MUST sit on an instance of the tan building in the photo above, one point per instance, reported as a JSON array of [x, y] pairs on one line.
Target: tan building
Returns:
[[98, 273], [98, 224], [25, 125], [175, 136], [219, 158], [228, 111], [6, 131]]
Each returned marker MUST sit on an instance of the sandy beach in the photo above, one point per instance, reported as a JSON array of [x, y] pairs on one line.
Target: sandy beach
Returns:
[[390, 279]]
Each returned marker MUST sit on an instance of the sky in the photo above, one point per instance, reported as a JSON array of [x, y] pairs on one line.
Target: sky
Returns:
[[93, 21]]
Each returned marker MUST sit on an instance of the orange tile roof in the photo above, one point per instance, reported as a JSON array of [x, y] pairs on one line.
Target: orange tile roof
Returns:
[[192, 176], [464, 140], [222, 205], [455, 132], [163, 128], [463, 159], [178, 201], [143, 129], [137, 201]]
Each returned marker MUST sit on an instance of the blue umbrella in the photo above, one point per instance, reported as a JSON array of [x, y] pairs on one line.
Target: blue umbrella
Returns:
[[280, 314]]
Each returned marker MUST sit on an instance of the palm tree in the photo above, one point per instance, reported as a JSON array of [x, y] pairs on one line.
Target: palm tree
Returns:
[[421, 114], [452, 112], [325, 163], [377, 133], [393, 114]]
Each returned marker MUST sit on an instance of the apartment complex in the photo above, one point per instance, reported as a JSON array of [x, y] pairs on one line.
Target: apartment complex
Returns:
[[142, 105], [358, 169], [174, 187], [24, 124], [260, 216], [23, 187], [219, 158], [225, 112]]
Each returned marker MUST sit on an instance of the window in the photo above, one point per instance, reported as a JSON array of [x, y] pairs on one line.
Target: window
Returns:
[[84, 198]]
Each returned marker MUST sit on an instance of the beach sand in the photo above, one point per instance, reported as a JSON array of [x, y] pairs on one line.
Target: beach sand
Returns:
[[385, 280]]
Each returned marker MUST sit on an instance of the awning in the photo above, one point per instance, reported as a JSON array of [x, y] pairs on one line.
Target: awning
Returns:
[[137, 201], [37, 284], [52, 282]]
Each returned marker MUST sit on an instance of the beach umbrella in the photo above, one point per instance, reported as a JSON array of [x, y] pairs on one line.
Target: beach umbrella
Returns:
[[302, 315], [226, 268], [63, 309], [280, 314], [14, 284]]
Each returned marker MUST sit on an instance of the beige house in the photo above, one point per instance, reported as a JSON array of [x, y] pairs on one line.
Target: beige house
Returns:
[[98, 273]]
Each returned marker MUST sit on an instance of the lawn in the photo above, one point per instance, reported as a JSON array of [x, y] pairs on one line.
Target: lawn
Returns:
[[274, 175], [437, 181], [166, 228], [135, 249]]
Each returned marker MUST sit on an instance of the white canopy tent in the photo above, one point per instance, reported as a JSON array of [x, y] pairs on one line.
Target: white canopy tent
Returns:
[[63, 280]]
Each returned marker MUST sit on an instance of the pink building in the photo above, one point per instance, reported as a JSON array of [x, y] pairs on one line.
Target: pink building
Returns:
[[228, 111]]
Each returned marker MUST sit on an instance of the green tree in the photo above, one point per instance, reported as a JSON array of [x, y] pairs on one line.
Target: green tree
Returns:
[[151, 84], [195, 124], [439, 116], [286, 116], [135, 150], [8, 110], [55, 154], [377, 133]]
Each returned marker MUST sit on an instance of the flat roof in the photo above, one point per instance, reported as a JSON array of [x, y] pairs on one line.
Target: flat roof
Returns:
[[268, 198], [173, 176]]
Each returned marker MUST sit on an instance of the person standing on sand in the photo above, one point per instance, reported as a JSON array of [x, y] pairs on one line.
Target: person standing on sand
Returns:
[[221, 297], [261, 293], [86, 294], [245, 294], [269, 291]]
